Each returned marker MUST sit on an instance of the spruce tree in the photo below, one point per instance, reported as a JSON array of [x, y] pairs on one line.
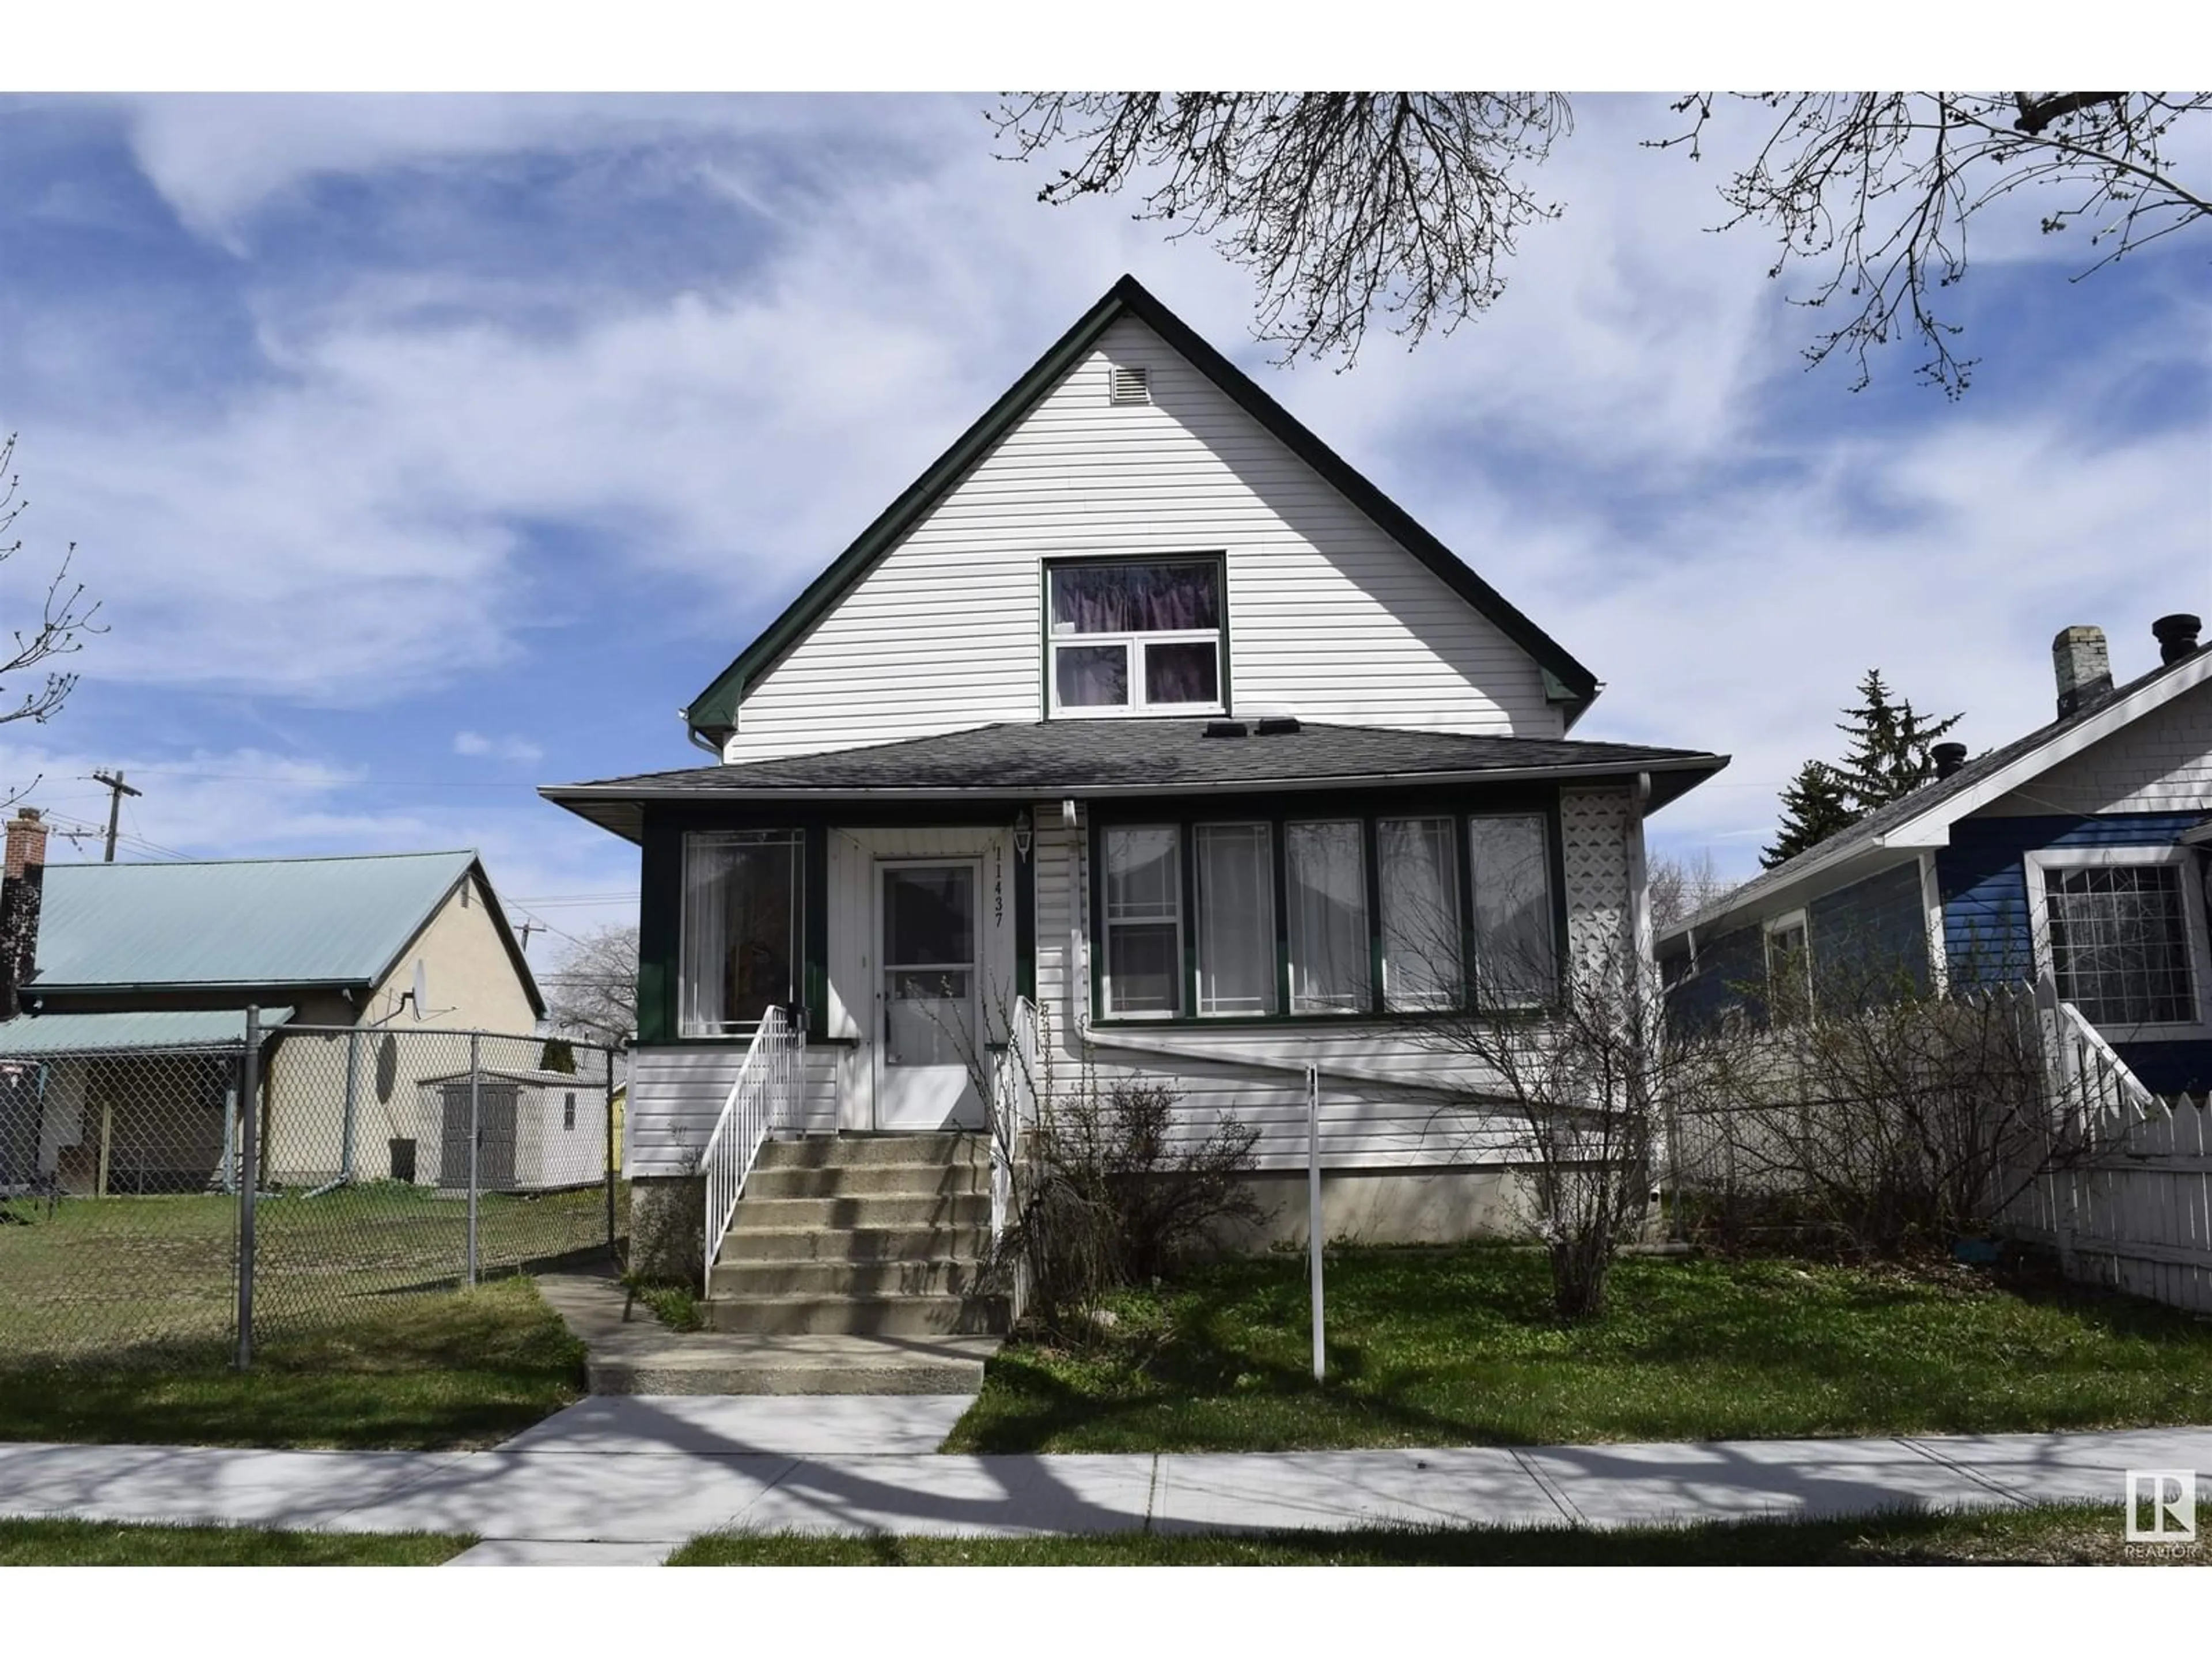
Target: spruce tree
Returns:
[[1815, 805], [1889, 752], [1889, 756]]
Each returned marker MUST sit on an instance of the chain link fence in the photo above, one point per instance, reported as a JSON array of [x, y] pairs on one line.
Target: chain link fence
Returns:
[[151, 1199]]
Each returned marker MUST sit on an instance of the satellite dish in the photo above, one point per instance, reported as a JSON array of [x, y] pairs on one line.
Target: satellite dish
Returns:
[[422, 991]]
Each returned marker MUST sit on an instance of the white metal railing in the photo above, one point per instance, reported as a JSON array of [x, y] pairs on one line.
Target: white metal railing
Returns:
[[763, 1101], [2086, 1073], [1014, 1109]]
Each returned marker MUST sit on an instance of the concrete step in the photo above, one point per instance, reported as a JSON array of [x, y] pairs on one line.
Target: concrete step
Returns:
[[771, 1242], [717, 1363], [932, 1209], [820, 1151], [858, 1180], [938, 1276], [858, 1315]]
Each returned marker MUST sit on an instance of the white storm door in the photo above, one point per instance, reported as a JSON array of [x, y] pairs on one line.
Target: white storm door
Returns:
[[929, 1018]]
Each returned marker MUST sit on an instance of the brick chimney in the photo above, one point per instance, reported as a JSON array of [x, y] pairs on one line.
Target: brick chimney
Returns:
[[2083, 667], [23, 884]]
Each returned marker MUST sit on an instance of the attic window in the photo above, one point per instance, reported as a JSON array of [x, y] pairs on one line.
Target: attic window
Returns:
[[1133, 636], [1133, 384]]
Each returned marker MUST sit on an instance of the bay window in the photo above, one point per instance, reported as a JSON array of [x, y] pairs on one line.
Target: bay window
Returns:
[[1235, 871], [739, 947], [1132, 636], [1510, 872], [1144, 922], [1418, 872], [1345, 918], [1329, 959]]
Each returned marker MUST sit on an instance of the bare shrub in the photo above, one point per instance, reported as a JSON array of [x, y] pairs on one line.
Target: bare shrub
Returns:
[[1105, 1193], [1578, 1062], [1874, 1114]]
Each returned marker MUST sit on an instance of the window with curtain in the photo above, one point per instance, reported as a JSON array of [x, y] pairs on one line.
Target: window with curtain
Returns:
[[1509, 876], [1326, 868], [1143, 920], [1236, 919], [1418, 875], [739, 950], [1131, 635]]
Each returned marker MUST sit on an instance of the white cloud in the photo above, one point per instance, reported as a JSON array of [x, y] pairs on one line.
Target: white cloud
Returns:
[[518, 751], [250, 803], [352, 525]]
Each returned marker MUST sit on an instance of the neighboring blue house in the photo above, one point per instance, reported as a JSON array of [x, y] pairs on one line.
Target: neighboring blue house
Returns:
[[2079, 850]]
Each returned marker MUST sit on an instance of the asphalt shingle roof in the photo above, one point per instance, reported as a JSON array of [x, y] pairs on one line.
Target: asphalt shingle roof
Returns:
[[1136, 756], [1885, 819]]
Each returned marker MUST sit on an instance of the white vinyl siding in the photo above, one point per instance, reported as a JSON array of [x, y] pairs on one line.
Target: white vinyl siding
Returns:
[[1326, 614], [2162, 762]]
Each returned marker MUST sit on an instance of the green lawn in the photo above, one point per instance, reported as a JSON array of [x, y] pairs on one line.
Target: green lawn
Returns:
[[2054, 1536], [103, 1544], [451, 1370], [1457, 1346], [109, 1279]]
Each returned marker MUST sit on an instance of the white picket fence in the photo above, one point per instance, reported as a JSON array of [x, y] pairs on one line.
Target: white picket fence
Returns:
[[2136, 1214]]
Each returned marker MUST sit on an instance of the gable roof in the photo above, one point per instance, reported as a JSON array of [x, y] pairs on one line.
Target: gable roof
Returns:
[[1091, 759], [328, 921], [1903, 827], [715, 708]]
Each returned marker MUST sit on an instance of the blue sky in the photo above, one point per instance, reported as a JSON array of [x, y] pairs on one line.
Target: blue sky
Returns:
[[424, 449]]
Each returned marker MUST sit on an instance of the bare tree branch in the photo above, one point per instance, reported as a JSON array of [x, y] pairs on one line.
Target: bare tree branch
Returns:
[[1344, 205]]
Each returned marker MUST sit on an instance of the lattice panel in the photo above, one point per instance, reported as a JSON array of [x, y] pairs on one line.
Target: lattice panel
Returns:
[[1593, 826]]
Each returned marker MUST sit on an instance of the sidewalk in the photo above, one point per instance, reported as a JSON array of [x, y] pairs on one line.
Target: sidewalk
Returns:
[[625, 1480]]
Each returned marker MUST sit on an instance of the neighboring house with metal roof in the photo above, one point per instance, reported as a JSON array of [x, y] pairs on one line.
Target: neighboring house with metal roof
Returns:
[[104, 965], [2077, 851], [1143, 708]]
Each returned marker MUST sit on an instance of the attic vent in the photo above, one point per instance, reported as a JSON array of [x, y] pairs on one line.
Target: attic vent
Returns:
[[1132, 384]]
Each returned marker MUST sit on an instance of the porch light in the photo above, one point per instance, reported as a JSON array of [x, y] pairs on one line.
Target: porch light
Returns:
[[1021, 832]]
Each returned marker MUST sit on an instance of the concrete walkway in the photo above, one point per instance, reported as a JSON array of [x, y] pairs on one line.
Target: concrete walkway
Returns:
[[628, 1352], [624, 1480]]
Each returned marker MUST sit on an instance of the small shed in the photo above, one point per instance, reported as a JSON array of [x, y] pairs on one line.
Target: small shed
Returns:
[[536, 1131]]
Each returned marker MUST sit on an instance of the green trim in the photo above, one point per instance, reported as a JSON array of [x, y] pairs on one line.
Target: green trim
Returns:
[[659, 928], [1186, 843], [715, 708], [1025, 939], [1371, 857], [814, 889]]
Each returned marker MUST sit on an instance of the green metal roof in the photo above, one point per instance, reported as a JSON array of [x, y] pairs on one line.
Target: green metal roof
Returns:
[[335, 921], [29, 1037]]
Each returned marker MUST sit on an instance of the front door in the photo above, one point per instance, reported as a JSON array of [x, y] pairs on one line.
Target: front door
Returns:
[[927, 1017]]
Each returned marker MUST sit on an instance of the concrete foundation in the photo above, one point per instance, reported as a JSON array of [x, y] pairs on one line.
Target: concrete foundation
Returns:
[[1388, 1207], [667, 1223]]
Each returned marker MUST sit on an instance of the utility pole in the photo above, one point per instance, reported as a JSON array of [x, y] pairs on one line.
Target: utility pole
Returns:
[[117, 789], [527, 928]]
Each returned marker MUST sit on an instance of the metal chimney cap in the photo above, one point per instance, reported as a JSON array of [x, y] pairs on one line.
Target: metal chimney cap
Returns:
[[2176, 635]]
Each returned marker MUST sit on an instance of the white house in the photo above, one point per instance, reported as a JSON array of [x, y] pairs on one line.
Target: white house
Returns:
[[1141, 707]]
